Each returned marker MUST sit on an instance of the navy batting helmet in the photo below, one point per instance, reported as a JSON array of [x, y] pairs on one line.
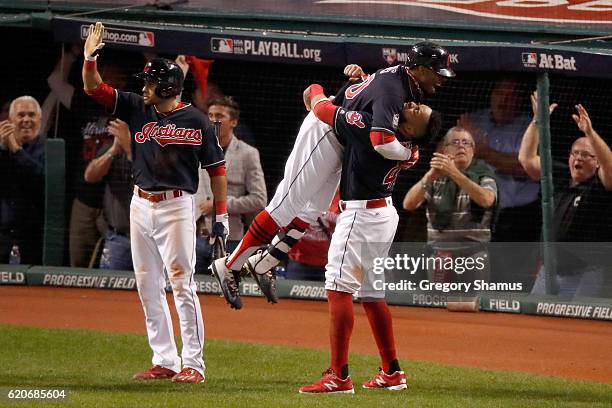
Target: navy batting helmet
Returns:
[[433, 56], [166, 74]]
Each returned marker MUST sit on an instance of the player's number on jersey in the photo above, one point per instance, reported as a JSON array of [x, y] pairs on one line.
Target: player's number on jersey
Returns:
[[354, 90]]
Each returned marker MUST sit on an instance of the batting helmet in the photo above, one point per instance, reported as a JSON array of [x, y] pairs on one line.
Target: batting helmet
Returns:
[[166, 74], [433, 56]]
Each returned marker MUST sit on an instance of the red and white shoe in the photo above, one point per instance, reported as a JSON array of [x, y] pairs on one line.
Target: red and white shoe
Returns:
[[188, 375], [392, 382], [155, 373], [330, 383]]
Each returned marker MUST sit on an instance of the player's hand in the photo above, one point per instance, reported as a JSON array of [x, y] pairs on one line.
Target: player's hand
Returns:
[[354, 72], [94, 43], [534, 105], [306, 96], [583, 121], [220, 228], [218, 236]]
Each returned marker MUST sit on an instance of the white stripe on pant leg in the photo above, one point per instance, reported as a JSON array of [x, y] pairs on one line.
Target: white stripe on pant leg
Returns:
[[148, 270], [337, 277], [175, 235]]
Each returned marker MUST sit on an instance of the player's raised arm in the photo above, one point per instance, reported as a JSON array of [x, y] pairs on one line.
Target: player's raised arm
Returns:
[[93, 43], [92, 81]]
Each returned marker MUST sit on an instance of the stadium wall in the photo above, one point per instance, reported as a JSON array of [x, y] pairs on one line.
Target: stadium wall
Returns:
[[584, 308]]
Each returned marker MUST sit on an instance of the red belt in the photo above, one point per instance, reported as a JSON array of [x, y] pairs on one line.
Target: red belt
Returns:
[[374, 203], [157, 197]]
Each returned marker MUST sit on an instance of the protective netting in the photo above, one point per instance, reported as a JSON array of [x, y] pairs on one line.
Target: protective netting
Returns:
[[270, 98]]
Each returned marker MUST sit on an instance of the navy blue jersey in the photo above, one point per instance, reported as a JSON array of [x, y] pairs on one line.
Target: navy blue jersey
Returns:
[[382, 94], [166, 148], [365, 173]]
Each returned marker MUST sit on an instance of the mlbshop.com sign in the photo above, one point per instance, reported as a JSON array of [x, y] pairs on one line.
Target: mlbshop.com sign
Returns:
[[556, 11]]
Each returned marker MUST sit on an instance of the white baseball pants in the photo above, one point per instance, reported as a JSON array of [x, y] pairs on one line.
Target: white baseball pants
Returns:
[[163, 243], [361, 235]]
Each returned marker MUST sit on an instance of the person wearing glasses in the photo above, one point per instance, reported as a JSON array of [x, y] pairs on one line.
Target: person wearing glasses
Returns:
[[461, 197], [582, 207]]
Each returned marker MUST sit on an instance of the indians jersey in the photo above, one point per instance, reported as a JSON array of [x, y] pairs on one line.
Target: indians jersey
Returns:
[[167, 147], [382, 94], [365, 173]]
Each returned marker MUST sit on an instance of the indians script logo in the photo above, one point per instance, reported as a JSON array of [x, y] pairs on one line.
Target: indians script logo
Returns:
[[168, 134], [354, 118]]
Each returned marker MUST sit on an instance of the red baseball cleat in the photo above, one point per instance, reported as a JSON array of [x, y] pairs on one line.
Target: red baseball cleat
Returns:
[[393, 382], [330, 383], [155, 373], [188, 375]]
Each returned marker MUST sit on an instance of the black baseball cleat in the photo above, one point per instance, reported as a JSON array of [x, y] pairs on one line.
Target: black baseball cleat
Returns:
[[229, 282], [266, 281]]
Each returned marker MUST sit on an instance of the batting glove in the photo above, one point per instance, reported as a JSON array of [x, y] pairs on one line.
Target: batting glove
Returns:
[[218, 236]]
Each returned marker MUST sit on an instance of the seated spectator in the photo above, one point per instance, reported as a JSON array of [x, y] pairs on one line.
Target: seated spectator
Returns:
[[22, 182], [582, 205], [498, 131], [307, 259], [461, 196], [113, 166], [246, 187]]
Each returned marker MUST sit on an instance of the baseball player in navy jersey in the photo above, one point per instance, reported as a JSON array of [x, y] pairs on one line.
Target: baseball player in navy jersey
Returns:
[[364, 231], [170, 139], [312, 171]]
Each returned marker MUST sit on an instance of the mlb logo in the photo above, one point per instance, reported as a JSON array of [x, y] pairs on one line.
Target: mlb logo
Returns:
[[222, 45], [390, 55], [530, 59], [146, 39]]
